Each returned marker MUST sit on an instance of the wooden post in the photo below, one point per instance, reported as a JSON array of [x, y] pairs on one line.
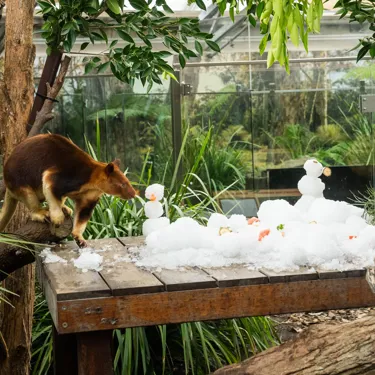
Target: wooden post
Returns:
[[95, 353], [64, 353]]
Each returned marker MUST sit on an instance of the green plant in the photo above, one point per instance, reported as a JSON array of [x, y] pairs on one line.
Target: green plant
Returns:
[[359, 148], [42, 347], [367, 202], [330, 135], [296, 140]]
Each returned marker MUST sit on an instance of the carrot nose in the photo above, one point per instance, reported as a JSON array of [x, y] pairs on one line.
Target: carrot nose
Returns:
[[153, 197]]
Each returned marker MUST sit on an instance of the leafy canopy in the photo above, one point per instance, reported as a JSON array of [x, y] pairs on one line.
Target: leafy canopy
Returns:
[[69, 19], [279, 22]]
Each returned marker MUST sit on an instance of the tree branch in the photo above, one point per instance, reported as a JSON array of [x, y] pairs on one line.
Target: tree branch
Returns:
[[13, 257], [45, 114]]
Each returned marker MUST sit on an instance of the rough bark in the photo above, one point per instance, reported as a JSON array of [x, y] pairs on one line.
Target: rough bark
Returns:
[[14, 257], [326, 349], [16, 98]]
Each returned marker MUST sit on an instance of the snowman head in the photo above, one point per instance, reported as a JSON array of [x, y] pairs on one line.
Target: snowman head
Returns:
[[315, 169], [155, 192]]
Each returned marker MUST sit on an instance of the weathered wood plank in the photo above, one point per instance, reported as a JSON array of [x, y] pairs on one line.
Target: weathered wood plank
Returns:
[[328, 274], [187, 279], [68, 282], [95, 353], [132, 241], [335, 274], [236, 276], [215, 303], [355, 272], [122, 276], [303, 274]]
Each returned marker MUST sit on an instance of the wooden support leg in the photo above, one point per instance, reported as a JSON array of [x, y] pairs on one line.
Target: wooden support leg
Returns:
[[65, 353], [95, 353]]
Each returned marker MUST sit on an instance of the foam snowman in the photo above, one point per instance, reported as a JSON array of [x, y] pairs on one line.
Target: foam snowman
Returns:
[[311, 186], [154, 210]]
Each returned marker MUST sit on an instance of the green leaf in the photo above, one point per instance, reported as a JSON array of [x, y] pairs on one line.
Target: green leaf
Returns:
[[362, 52], [89, 67], [113, 6], [147, 72], [138, 4], [372, 50], [113, 43], [198, 47], [260, 8], [48, 51], [200, 4], [103, 67], [231, 13], [182, 60], [167, 9], [270, 59], [294, 35], [125, 36], [214, 46], [252, 20], [84, 45], [263, 44]]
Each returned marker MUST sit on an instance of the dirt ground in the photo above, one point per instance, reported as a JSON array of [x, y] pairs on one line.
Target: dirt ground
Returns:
[[290, 325]]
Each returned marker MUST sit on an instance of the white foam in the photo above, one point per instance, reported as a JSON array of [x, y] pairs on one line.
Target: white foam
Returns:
[[328, 234], [88, 260], [50, 257]]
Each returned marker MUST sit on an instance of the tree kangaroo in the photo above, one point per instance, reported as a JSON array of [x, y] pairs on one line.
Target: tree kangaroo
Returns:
[[51, 168]]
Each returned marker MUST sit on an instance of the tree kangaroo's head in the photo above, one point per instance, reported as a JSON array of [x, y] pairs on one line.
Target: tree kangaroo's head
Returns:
[[115, 182]]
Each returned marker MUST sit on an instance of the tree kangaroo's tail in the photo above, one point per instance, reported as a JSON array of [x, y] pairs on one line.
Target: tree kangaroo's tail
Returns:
[[9, 206]]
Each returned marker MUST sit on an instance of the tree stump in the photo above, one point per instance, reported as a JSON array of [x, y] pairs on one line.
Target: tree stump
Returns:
[[326, 349]]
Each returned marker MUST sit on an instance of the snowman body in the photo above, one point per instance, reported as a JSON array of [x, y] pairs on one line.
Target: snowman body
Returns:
[[154, 210], [310, 186]]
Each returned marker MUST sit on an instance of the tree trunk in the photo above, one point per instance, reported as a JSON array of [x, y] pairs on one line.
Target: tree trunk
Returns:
[[327, 349], [16, 99]]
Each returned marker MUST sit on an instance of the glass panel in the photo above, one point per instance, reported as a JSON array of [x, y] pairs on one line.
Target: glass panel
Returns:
[[133, 126]]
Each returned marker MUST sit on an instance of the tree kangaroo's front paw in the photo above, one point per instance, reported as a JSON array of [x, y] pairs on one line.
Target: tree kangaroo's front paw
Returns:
[[41, 215], [67, 210], [80, 242], [57, 218]]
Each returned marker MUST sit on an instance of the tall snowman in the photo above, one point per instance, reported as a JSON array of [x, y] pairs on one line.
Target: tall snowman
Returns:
[[154, 210], [311, 186]]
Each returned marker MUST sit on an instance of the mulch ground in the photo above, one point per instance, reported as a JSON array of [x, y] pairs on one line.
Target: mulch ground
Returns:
[[290, 325]]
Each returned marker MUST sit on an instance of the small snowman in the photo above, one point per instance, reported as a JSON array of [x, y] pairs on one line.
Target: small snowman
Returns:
[[311, 186], [154, 210]]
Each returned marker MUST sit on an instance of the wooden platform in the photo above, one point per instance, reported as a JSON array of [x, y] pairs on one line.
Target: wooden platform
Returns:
[[122, 295]]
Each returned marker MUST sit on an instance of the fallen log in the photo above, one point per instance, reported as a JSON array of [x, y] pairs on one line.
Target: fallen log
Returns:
[[13, 257], [326, 349]]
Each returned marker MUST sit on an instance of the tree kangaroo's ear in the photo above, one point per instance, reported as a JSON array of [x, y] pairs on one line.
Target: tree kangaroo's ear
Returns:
[[110, 167], [116, 162]]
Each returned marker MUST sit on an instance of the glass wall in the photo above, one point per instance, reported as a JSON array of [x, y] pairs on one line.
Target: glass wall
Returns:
[[256, 126]]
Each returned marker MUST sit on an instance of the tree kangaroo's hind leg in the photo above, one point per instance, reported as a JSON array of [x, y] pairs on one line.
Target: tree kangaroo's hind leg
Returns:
[[55, 203], [29, 197]]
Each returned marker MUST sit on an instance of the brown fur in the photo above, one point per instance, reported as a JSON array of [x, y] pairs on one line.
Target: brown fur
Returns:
[[52, 168]]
